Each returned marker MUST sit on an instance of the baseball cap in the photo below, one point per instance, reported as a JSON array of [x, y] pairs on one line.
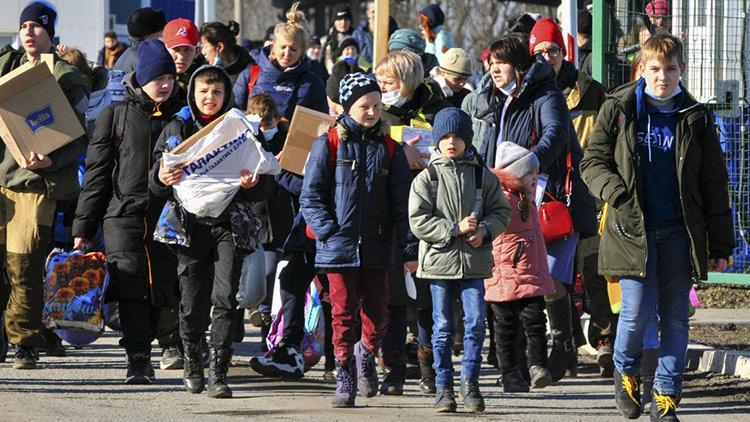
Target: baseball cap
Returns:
[[181, 32]]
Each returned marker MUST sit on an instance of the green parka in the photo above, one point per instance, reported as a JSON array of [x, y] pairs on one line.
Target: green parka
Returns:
[[611, 169], [442, 255]]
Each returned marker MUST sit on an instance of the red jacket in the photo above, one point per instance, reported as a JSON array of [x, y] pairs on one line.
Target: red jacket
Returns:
[[519, 253]]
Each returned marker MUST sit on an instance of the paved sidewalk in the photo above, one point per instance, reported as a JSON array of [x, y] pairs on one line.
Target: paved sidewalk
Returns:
[[87, 386], [721, 316]]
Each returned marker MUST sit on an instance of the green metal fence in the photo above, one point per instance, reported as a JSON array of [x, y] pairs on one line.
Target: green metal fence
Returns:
[[714, 34]]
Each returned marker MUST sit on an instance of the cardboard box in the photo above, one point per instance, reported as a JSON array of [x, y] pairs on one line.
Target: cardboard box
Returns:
[[34, 113], [305, 127]]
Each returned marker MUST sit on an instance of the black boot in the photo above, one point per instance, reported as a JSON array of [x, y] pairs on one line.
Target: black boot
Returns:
[[140, 371], [473, 400], [192, 375], [427, 379], [52, 343], [649, 362], [394, 364], [627, 395], [217, 373], [564, 354], [664, 408]]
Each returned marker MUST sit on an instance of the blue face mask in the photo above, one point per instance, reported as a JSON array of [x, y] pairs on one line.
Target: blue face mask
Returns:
[[352, 60]]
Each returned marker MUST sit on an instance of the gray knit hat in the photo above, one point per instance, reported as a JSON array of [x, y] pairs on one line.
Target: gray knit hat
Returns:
[[516, 159]]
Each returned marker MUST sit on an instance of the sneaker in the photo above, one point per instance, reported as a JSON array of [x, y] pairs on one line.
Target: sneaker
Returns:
[[140, 371], [473, 400], [604, 357], [664, 408], [367, 376], [256, 319], [52, 343], [171, 357], [25, 358], [540, 376], [445, 400], [627, 395], [329, 375], [393, 383], [513, 382], [346, 385], [284, 362]]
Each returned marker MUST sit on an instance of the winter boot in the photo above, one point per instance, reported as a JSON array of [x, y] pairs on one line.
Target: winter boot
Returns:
[[564, 354], [217, 373], [284, 362], [427, 380], [540, 376], [649, 362], [445, 400], [192, 375], [513, 382], [394, 364], [52, 343], [172, 357], [473, 400], [367, 375], [346, 384], [25, 358], [627, 395], [604, 357], [140, 371], [664, 408]]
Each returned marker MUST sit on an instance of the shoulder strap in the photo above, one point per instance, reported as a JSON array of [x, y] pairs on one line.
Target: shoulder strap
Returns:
[[433, 185], [333, 144], [254, 74], [390, 146]]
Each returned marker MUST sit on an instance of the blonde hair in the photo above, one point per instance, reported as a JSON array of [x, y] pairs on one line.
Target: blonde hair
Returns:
[[293, 29], [662, 46], [405, 66]]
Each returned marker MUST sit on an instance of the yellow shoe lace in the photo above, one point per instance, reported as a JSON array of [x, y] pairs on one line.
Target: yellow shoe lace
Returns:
[[631, 386], [664, 403]]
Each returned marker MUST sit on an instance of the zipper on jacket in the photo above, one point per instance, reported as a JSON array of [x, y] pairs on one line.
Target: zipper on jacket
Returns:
[[637, 169], [680, 162]]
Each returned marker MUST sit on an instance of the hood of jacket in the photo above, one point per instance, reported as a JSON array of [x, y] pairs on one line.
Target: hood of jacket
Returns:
[[629, 99], [190, 111], [540, 73], [641, 97], [274, 72]]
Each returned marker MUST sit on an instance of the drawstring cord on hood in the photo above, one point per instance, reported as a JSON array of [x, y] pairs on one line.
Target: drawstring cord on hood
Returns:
[[157, 112]]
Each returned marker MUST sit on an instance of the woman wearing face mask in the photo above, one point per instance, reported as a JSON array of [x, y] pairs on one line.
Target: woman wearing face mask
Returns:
[[518, 101], [219, 47], [285, 72]]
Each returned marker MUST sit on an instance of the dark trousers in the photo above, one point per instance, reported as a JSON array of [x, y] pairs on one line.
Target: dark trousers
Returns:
[[509, 319], [212, 248], [603, 323], [394, 342], [358, 295], [294, 281]]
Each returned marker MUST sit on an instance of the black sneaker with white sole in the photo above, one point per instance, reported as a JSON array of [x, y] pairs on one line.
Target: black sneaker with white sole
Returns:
[[284, 362], [172, 357], [140, 371]]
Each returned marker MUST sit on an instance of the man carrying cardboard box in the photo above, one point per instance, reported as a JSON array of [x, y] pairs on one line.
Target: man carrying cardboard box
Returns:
[[29, 194]]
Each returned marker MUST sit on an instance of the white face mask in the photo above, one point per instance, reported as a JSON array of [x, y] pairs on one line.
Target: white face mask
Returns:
[[508, 89], [393, 98], [651, 94], [268, 134]]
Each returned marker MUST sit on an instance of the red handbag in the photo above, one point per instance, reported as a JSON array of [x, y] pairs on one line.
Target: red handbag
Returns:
[[554, 216]]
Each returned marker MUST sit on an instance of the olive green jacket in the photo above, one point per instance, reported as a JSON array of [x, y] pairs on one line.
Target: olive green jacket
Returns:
[[442, 253], [610, 168], [60, 180]]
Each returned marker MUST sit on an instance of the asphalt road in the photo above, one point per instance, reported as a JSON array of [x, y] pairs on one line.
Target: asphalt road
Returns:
[[87, 385]]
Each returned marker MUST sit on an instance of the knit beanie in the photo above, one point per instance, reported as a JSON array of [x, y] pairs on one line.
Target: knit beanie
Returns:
[[153, 60], [340, 69], [342, 11], [406, 39], [434, 15], [456, 61], [657, 8], [546, 30], [355, 85], [145, 21], [41, 13], [516, 159], [452, 120], [348, 42]]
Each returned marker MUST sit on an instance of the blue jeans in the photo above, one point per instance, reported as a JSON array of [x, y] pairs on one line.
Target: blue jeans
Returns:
[[444, 294], [664, 292]]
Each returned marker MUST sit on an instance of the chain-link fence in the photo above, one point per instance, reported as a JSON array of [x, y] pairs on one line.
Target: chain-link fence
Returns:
[[715, 34]]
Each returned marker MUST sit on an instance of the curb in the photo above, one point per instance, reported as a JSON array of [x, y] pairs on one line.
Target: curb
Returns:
[[725, 362]]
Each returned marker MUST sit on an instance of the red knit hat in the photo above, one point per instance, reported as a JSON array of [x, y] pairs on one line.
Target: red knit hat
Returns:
[[546, 30], [657, 8]]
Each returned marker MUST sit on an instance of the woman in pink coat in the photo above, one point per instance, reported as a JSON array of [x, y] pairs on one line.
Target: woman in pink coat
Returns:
[[520, 278]]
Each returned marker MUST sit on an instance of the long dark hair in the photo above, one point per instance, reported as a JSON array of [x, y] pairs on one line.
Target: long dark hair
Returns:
[[217, 32]]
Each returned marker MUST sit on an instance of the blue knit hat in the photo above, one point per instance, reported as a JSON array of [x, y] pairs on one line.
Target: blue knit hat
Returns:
[[434, 15], [42, 13], [452, 120], [406, 39], [153, 61]]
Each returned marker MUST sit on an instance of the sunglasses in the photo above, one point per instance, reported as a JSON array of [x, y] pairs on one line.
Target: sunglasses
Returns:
[[551, 52]]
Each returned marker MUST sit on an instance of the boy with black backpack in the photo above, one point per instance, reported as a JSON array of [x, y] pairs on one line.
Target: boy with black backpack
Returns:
[[456, 209]]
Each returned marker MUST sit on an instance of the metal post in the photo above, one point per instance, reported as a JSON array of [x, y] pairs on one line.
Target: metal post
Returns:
[[600, 40]]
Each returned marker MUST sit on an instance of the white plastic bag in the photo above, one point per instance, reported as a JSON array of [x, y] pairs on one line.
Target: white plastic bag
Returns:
[[411, 287], [276, 301], [212, 165], [252, 288]]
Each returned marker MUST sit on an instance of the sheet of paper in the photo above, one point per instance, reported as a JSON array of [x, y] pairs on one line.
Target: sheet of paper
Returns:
[[541, 185]]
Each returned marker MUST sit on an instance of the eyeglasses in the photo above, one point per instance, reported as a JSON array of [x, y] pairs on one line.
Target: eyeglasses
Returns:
[[551, 52]]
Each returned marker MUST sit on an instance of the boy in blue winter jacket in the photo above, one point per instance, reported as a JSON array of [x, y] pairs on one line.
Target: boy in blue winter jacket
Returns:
[[354, 195]]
